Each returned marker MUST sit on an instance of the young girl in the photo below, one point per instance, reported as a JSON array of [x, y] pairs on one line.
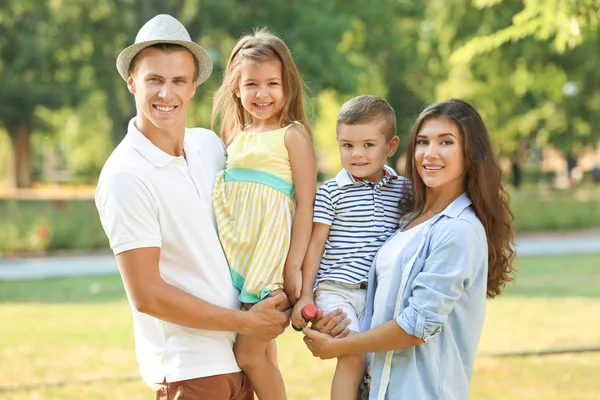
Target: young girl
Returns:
[[263, 199]]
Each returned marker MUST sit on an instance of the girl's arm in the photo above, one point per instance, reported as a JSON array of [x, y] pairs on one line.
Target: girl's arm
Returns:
[[304, 171], [385, 337]]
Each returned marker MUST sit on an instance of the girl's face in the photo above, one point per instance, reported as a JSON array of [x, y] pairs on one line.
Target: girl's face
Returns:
[[260, 90], [439, 155]]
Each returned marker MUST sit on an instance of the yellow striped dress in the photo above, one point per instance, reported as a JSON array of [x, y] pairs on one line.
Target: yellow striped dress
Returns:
[[254, 205]]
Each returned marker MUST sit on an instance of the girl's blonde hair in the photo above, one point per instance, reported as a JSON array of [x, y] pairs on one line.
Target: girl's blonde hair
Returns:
[[260, 46]]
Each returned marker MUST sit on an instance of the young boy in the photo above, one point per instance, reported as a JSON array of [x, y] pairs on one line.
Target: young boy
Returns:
[[354, 214]]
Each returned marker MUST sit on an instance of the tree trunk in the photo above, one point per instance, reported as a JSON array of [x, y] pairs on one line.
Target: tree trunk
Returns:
[[119, 114], [20, 136]]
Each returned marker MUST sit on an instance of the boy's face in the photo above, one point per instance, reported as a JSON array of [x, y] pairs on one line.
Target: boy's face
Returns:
[[163, 85], [364, 149]]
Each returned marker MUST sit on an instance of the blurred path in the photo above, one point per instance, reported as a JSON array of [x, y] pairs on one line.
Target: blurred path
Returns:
[[54, 267], [585, 242]]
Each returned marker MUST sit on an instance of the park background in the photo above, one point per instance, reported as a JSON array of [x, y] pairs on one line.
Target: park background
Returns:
[[530, 67]]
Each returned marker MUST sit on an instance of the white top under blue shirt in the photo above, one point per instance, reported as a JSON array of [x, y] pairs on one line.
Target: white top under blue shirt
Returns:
[[362, 215]]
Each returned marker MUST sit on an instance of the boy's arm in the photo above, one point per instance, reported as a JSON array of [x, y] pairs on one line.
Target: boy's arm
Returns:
[[314, 254], [304, 171], [310, 267], [151, 295]]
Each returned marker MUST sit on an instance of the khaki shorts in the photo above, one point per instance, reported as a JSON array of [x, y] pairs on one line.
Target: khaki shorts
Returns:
[[350, 298], [234, 386]]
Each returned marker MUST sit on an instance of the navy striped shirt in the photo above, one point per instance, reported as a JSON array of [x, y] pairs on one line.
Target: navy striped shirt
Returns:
[[361, 215]]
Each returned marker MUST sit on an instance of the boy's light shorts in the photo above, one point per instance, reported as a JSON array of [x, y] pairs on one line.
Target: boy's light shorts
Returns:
[[350, 298]]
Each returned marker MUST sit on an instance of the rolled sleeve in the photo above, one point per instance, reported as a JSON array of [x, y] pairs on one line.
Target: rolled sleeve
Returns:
[[419, 323], [128, 213], [324, 210], [457, 255]]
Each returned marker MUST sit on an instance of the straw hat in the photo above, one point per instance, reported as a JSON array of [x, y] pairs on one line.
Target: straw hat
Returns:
[[164, 29]]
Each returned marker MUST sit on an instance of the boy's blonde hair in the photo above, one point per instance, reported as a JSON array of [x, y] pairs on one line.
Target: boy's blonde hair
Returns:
[[364, 109], [260, 46]]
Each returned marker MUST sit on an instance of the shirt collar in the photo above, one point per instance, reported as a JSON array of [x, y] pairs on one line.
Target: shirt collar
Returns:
[[453, 210], [146, 148], [457, 206], [344, 178]]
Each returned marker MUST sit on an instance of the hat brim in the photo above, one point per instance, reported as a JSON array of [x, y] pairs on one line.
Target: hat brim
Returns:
[[204, 62]]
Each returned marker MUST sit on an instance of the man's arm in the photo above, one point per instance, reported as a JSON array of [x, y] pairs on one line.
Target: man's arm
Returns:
[[151, 295]]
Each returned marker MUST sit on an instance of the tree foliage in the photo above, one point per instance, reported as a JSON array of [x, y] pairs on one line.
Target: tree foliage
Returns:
[[511, 58], [40, 59]]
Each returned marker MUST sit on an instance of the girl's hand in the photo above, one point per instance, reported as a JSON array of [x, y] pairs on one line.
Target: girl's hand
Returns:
[[292, 283], [297, 318], [319, 344]]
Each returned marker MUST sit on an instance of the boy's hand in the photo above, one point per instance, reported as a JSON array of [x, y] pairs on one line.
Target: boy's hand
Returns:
[[297, 318], [292, 283]]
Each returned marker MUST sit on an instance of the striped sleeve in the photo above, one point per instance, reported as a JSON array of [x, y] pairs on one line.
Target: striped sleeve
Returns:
[[324, 211]]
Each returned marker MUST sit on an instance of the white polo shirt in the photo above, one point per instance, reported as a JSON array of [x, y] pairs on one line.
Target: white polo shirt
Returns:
[[148, 198]]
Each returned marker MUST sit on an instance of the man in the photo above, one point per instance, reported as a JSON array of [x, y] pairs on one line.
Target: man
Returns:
[[154, 201]]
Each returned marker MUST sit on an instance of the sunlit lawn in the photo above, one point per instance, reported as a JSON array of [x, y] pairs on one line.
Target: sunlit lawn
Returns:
[[76, 331]]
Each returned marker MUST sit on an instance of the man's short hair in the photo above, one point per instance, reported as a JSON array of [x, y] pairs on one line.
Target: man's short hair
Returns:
[[365, 109], [168, 47]]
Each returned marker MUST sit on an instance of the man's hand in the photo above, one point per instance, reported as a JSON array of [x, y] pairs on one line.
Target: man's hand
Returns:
[[265, 321], [334, 324], [297, 318], [292, 283]]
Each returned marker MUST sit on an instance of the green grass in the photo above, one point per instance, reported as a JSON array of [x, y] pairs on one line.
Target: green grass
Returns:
[[557, 276], [63, 290], [73, 330], [541, 209]]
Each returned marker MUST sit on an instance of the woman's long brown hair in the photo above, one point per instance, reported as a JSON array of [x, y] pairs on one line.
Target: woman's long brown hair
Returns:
[[483, 185]]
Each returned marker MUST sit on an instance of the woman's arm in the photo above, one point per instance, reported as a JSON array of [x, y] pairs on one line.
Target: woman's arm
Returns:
[[304, 171], [385, 337], [457, 258]]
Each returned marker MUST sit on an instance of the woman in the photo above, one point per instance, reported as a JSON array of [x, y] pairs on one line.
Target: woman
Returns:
[[429, 282]]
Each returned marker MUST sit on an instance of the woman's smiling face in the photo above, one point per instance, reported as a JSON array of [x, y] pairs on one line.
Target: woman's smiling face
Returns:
[[439, 154]]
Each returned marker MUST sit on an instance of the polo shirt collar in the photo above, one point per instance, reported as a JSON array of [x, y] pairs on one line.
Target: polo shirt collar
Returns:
[[344, 178], [146, 148]]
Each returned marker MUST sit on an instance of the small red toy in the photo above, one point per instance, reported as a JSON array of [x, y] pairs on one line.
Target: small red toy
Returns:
[[309, 312]]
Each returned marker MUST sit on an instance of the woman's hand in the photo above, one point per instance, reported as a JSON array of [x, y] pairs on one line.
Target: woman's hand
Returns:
[[320, 344], [334, 324]]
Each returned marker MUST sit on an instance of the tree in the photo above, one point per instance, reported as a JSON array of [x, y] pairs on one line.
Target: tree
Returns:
[[520, 66], [39, 62], [566, 23]]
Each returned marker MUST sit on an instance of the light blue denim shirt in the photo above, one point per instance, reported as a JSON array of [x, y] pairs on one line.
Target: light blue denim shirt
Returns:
[[437, 293]]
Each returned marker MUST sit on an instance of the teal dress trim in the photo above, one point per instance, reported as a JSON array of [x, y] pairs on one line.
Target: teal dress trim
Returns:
[[256, 176], [245, 296]]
